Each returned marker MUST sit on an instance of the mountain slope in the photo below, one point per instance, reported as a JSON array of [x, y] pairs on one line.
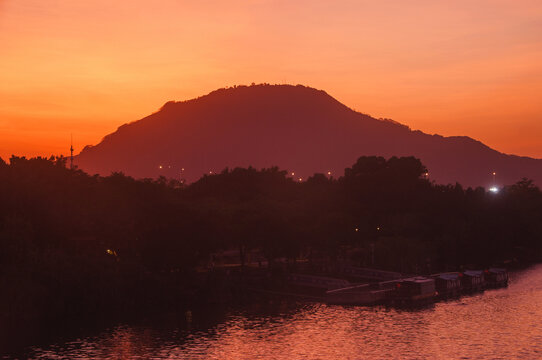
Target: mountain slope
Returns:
[[294, 127]]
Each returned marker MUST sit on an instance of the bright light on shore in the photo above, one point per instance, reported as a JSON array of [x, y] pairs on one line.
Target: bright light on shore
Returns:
[[494, 189]]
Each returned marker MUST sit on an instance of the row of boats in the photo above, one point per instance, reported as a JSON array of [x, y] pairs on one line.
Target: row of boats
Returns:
[[417, 290]]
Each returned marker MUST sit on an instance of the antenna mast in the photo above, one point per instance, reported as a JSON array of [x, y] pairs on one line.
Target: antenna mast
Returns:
[[71, 153]]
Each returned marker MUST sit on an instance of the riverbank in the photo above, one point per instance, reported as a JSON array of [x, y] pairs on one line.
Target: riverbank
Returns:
[[500, 323], [220, 289]]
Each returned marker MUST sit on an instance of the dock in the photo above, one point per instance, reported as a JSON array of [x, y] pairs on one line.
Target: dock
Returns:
[[392, 288]]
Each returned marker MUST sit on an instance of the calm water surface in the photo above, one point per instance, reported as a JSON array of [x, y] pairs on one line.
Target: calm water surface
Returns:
[[497, 324]]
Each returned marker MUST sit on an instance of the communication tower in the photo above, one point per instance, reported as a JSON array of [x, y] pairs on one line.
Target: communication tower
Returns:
[[71, 153]]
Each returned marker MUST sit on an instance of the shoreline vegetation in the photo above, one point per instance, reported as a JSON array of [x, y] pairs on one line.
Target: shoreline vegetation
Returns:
[[77, 247]]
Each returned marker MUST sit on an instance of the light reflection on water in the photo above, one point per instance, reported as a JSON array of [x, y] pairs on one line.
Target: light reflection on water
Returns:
[[497, 324]]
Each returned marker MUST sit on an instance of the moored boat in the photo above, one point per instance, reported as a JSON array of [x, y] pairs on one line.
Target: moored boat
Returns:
[[496, 277], [414, 291], [472, 280], [447, 284], [314, 285], [356, 295]]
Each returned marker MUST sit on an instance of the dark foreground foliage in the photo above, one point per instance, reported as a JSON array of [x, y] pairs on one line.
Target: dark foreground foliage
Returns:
[[73, 244]]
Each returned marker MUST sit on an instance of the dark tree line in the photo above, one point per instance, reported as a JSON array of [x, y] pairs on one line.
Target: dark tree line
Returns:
[[73, 242]]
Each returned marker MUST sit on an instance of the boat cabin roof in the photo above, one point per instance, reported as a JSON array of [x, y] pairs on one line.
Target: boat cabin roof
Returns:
[[448, 276], [473, 272], [418, 280]]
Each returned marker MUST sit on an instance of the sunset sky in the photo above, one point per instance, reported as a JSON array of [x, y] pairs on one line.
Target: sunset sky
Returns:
[[87, 66]]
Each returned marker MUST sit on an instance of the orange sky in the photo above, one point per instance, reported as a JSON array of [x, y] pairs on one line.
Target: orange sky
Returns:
[[87, 66]]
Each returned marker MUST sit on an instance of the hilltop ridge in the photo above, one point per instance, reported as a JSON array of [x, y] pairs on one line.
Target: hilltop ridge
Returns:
[[298, 128]]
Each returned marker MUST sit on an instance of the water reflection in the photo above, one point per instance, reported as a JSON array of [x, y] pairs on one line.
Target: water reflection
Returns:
[[498, 324]]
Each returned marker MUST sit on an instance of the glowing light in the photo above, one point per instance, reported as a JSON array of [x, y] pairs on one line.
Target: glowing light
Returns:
[[356, 229], [329, 172], [494, 173], [182, 169], [160, 167], [494, 189], [293, 173], [300, 179], [378, 228]]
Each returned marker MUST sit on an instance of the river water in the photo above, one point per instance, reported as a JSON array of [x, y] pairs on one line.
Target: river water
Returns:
[[497, 324]]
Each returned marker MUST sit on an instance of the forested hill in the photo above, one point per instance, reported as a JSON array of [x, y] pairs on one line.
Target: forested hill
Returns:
[[299, 128]]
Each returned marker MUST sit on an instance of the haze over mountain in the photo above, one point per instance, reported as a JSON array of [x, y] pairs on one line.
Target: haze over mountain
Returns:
[[297, 128]]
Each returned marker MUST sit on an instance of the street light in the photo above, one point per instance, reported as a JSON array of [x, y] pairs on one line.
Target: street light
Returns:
[[494, 188]]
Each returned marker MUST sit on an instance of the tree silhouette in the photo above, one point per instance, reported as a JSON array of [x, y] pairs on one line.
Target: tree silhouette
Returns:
[[74, 244]]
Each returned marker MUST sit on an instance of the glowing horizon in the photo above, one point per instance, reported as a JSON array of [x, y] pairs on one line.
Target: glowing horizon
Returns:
[[86, 67]]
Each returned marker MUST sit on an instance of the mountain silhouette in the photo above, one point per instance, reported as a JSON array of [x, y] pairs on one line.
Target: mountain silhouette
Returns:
[[297, 128]]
